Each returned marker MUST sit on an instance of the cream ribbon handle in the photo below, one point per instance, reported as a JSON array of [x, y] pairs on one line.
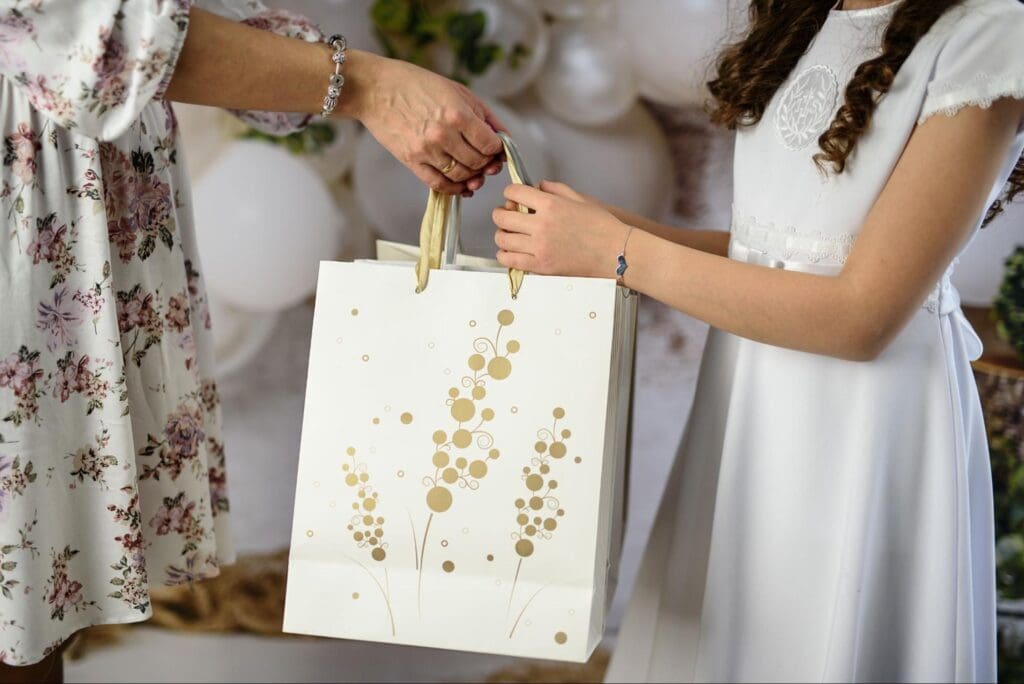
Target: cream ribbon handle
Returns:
[[440, 224]]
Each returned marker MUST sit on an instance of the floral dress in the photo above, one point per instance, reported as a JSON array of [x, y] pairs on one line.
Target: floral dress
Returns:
[[111, 461]]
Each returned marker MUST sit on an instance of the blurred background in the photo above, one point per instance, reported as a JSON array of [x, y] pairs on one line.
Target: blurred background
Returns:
[[605, 95]]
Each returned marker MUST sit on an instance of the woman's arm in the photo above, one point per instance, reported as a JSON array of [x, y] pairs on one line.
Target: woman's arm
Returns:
[[422, 118], [920, 221]]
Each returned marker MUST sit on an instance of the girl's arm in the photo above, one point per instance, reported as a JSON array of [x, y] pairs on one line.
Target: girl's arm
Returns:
[[710, 241], [928, 208], [422, 118]]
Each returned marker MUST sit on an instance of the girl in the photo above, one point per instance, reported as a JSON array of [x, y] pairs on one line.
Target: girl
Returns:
[[829, 517], [112, 472]]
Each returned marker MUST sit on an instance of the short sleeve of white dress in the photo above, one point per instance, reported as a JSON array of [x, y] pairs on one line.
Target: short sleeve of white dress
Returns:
[[981, 61]]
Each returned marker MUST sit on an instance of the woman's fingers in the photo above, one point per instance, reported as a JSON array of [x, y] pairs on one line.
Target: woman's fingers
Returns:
[[454, 170], [433, 179], [478, 133], [512, 242], [466, 154], [513, 221]]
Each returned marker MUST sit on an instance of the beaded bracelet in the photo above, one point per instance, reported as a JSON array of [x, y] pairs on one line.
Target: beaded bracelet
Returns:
[[339, 44]]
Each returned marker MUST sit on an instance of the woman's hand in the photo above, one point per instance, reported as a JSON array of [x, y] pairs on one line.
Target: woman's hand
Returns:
[[439, 129], [436, 127], [566, 235]]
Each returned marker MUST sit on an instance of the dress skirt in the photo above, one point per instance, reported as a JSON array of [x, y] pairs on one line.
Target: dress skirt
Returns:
[[825, 520]]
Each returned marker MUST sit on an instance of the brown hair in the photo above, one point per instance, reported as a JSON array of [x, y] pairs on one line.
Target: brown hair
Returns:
[[751, 71]]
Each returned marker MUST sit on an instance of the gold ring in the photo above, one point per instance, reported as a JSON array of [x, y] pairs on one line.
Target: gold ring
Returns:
[[449, 166]]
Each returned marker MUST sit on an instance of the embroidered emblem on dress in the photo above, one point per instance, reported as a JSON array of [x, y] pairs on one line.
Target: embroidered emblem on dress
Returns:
[[807, 106]]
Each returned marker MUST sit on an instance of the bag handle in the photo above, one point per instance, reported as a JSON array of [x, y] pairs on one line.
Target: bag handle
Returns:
[[439, 230]]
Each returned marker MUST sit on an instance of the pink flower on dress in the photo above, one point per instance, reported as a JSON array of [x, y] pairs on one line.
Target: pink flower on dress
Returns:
[[19, 374], [177, 315], [135, 310], [176, 515], [65, 594], [47, 244], [46, 99], [14, 28], [110, 67], [20, 150], [123, 234], [59, 319], [184, 433]]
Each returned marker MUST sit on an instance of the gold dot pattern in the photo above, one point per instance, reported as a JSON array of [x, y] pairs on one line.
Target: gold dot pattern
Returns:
[[406, 418], [366, 357], [448, 566], [561, 638], [593, 315], [355, 595], [355, 312], [538, 510], [365, 525], [309, 533], [490, 556], [376, 421], [462, 452]]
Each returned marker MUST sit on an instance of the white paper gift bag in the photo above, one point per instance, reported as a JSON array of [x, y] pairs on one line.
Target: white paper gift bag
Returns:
[[462, 464]]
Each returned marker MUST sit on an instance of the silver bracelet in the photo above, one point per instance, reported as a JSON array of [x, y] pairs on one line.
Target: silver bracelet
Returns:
[[339, 44]]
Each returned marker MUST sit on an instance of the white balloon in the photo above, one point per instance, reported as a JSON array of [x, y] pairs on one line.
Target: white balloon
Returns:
[[511, 24], [573, 9], [393, 199], [264, 221], [335, 159], [588, 79], [350, 18], [672, 44], [626, 163], [237, 336]]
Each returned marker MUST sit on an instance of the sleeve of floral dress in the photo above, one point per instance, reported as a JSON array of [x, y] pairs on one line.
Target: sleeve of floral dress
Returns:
[[91, 65], [281, 22], [981, 61]]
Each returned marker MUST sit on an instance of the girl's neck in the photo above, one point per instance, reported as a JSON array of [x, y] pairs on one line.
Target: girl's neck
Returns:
[[862, 4]]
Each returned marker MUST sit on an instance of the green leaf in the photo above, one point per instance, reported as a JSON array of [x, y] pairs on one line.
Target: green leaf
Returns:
[[392, 15], [466, 27]]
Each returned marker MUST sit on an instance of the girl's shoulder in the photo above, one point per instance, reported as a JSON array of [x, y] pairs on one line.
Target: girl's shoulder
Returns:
[[976, 56]]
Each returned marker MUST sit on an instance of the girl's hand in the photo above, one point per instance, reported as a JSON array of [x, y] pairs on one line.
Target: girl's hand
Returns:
[[425, 120], [566, 235]]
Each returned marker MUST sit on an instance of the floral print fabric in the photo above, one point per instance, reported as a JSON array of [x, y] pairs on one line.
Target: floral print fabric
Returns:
[[111, 461]]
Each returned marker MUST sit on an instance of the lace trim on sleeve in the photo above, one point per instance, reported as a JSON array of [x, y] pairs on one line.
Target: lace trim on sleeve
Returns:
[[982, 91]]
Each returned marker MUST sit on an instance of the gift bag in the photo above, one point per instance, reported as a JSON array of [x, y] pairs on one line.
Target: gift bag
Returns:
[[462, 466]]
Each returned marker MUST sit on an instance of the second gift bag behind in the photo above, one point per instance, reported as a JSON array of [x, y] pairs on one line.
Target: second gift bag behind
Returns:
[[462, 465]]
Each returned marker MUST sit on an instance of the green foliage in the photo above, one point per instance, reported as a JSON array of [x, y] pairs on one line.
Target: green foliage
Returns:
[[409, 28], [310, 140], [1008, 307]]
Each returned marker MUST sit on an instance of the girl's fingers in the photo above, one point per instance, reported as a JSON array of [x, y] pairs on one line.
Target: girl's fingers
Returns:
[[512, 242], [513, 221], [562, 190], [530, 197], [522, 262]]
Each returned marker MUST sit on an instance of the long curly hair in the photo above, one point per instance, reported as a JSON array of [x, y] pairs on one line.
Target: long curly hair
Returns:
[[750, 71]]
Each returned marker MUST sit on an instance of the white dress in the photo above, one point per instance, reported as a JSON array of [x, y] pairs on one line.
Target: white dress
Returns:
[[829, 520]]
